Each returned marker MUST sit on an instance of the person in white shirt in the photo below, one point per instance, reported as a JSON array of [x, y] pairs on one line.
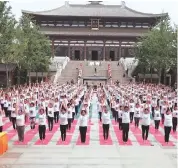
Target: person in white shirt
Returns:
[[157, 117], [145, 122], [83, 120], [50, 110], [137, 113], [63, 123], [1, 121], [163, 110], [99, 109], [174, 119], [32, 115], [106, 120], [20, 121], [42, 124], [13, 115], [131, 109], [69, 116], [5, 107], [9, 108], [167, 125], [120, 117], [125, 124], [56, 110]]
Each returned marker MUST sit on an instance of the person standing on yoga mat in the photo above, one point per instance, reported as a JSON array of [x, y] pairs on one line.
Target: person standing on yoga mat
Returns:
[[20, 121], [63, 123], [56, 110], [32, 115], [13, 115], [42, 124], [69, 116], [50, 115], [125, 124], [167, 125], [1, 121], [83, 122], [145, 122], [131, 110], [120, 111], [137, 113], [175, 118], [106, 120], [157, 117]]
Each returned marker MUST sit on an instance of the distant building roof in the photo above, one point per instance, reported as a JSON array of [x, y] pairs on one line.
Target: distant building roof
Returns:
[[95, 9]]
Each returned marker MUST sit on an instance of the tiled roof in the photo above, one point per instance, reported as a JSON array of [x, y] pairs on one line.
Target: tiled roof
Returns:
[[94, 10]]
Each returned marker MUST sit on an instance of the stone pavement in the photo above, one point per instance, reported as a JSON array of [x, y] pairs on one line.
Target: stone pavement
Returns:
[[93, 155]]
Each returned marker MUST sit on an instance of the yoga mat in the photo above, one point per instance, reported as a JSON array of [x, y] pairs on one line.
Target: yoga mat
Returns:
[[11, 134], [119, 137], [174, 135], [7, 125], [140, 141], [160, 139], [87, 142], [49, 135], [28, 136], [105, 142], [135, 131], [66, 142], [153, 131], [101, 138]]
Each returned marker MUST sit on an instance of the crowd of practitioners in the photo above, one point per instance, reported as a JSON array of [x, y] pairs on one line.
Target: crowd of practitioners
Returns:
[[141, 104], [44, 104]]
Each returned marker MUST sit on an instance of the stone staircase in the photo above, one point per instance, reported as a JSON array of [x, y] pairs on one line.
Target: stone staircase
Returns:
[[70, 72], [90, 70], [117, 72]]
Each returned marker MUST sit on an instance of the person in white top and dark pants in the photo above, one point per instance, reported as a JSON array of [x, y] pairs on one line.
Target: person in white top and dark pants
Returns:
[[1, 121], [56, 110], [69, 116], [125, 124], [145, 122], [50, 111], [42, 124], [83, 120], [106, 120], [175, 118], [32, 115], [167, 124], [63, 122], [157, 117], [20, 121]]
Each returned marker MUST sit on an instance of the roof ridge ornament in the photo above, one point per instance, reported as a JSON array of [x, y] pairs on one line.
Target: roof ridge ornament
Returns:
[[66, 3], [123, 4], [95, 2]]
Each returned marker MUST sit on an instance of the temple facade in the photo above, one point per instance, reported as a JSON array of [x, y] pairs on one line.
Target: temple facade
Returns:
[[94, 31]]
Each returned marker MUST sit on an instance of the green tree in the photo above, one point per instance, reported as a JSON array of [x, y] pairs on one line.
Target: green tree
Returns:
[[34, 47], [7, 36], [156, 50]]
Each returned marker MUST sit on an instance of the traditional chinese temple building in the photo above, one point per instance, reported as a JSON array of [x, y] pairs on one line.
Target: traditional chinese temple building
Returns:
[[94, 31]]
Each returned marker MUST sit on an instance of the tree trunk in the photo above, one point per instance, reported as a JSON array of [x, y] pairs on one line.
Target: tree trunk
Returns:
[[7, 76], [29, 77], [36, 77], [151, 75], [18, 76], [165, 76], [42, 76], [159, 77]]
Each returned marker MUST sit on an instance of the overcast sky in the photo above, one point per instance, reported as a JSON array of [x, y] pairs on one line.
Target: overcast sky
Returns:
[[148, 6]]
